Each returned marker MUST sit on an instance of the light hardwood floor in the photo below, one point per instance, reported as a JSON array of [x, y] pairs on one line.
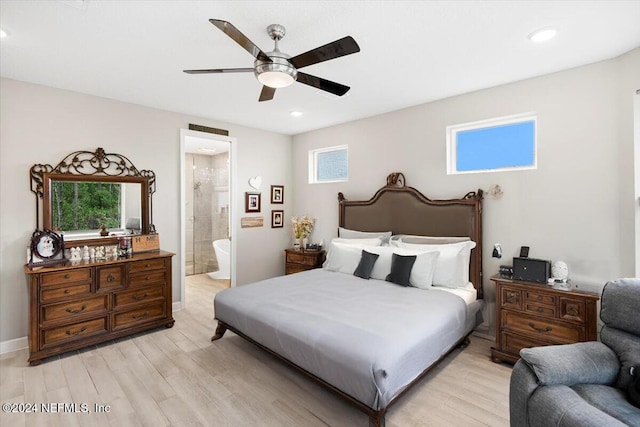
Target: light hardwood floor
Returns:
[[178, 377]]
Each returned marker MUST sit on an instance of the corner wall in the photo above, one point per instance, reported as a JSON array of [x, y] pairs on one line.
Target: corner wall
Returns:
[[575, 207], [39, 124]]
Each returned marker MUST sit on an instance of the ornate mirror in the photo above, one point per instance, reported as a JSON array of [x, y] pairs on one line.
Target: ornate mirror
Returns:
[[91, 195]]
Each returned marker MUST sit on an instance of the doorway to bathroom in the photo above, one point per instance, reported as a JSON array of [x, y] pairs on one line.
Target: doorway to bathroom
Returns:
[[206, 216]]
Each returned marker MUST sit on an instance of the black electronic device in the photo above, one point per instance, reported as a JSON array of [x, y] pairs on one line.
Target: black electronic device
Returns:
[[531, 269], [524, 251]]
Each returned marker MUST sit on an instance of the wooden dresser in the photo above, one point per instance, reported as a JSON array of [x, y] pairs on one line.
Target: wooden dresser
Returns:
[[81, 304], [301, 260], [532, 314]]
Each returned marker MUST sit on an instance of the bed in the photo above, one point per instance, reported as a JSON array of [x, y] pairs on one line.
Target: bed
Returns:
[[369, 340]]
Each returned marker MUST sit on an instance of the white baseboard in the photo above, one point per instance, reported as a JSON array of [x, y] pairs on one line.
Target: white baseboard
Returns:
[[13, 345], [177, 306]]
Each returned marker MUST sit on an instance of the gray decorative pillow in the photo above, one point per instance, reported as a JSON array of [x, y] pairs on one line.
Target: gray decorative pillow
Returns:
[[365, 266], [401, 266]]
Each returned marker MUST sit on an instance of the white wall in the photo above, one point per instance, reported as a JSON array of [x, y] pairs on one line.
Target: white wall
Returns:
[[576, 207], [40, 124]]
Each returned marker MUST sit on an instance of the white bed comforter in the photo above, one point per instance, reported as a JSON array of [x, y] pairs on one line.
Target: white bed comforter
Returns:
[[368, 338]]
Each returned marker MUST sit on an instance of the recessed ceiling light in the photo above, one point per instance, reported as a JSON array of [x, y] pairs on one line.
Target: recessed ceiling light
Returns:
[[3, 33], [543, 34], [296, 113]]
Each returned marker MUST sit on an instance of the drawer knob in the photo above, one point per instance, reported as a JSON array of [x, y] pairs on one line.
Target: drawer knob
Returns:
[[147, 265], [79, 331], [511, 298], [80, 310], [139, 297], [66, 276], [147, 278], [539, 298], [541, 330], [141, 316], [111, 277], [67, 291], [539, 309]]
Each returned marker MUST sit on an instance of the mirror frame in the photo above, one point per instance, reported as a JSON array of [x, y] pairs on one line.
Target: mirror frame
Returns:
[[88, 166]]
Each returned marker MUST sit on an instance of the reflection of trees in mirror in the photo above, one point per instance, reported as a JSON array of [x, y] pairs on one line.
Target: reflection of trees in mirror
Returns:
[[86, 205]]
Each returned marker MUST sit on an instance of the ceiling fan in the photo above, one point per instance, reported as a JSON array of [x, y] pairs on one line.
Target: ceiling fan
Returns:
[[276, 69]]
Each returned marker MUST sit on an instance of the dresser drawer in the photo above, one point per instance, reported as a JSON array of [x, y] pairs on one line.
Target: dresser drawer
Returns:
[[49, 294], [539, 328], [540, 309], [109, 278], [301, 259], [137, 296], [75, 308], [75, 331], [573, 309], [513, 343], [150, 278], [511, 298], [539, 297], [70, 276], [143, 266], [130, 318]]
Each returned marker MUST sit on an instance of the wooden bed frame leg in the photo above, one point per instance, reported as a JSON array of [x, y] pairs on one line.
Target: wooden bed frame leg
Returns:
[[376, 419], [220, 330]]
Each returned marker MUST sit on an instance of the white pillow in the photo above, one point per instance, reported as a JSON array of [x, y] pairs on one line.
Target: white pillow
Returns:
[[423, 269], [354, 234], [452, 265], [342, 258], [358, 242], [428, 240]]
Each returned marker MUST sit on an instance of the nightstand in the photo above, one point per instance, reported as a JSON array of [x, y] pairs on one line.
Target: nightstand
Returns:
[[532, 314], [301, 260]]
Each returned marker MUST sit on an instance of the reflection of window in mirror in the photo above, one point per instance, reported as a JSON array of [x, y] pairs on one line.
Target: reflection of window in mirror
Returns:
[[82, 207]]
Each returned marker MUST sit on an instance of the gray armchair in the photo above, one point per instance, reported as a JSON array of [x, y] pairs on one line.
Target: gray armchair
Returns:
[[583, 384]]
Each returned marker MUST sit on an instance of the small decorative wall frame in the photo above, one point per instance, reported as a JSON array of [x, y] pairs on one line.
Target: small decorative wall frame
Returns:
[[47, 248], [277, 194], [251, 202], [277, 219]]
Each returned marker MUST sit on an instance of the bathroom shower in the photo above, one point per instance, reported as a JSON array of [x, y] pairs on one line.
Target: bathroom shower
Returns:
[[207, 210]]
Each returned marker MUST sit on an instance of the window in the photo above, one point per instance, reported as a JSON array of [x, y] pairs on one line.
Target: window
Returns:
[[329, 164], [505, 143]]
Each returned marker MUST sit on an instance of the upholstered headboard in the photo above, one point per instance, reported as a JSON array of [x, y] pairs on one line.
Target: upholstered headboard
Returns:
[[404, 210]]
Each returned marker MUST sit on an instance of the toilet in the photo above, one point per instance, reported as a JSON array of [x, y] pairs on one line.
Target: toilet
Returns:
[[222, 249]]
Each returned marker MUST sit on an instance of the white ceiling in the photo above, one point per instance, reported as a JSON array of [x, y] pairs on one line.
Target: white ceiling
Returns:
[[412, 52]]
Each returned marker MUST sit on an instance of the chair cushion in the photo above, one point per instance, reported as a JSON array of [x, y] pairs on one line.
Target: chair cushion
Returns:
[[611, 401], [620, 302], [627, 348], [585, 362], [561, 406]]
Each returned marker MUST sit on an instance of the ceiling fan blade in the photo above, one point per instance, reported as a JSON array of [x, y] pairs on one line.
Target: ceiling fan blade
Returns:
[[267, 93], [241, 39], [322, 84], [336, 49], [220, 70]]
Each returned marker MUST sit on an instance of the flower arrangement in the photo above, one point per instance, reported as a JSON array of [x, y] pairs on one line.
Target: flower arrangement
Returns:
[[302, 226]]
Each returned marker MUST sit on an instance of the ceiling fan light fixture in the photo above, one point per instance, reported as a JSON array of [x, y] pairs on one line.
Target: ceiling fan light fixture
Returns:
[[277, 74]]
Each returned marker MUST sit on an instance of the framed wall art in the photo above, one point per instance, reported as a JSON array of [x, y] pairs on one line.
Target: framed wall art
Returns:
[[277, 219], [277, 194], [251, 202]]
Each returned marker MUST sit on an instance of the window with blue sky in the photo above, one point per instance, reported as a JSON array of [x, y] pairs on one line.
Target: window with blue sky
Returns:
[[329, 164], [506, 143]]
